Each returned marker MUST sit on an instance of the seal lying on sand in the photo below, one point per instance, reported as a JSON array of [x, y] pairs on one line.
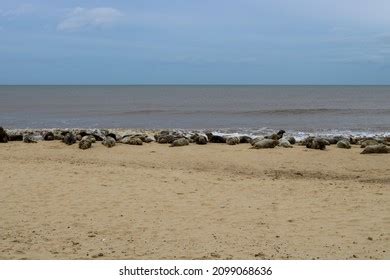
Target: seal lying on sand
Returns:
[[199, 139], [180, 142], [48, 136], [90, 138], [368, 142], [109, 142], [215, 138], [69, 138], [29, 138], [245, 139], [283, 142], [316, 143], [85, 143], [343, 144], [376, 149], [265, 144], [233, 140], [291, 140], [3, 135], [131, 141]]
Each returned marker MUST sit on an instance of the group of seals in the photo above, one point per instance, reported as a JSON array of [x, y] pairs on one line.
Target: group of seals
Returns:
[[86, 138]]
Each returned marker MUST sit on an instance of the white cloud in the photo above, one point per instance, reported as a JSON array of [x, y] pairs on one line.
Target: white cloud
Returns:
[[18, 11], [81, 18]]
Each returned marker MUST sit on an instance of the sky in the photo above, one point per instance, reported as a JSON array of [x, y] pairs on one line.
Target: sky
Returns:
[[195, 42]]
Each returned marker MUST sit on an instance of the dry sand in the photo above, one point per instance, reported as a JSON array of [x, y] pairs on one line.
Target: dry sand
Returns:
[[195, 202]]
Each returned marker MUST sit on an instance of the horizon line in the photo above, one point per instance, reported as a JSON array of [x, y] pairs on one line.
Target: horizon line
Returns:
[[189, 84]]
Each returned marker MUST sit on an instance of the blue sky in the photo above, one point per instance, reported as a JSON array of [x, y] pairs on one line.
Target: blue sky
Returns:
[[195, 42]]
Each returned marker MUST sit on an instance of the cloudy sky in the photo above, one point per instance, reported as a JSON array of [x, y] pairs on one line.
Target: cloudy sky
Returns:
[[195, 42]]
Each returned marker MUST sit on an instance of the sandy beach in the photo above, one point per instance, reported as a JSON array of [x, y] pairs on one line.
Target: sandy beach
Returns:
[[195, 202]]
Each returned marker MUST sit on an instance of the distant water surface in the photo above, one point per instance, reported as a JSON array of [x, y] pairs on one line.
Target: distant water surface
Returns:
[[230, 108]]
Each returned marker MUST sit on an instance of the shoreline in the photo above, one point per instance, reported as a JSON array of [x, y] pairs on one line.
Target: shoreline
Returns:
[[252, 132]]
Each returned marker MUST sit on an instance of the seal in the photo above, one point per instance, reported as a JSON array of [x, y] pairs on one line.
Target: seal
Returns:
[[69, 138], [48, 136], [316, 143], [376, 149], [276, 136], [29, 138], [343, 144], [215, 138], [3, 135], [109, 142], [265, 144], [368, 142], [180, 142], [283, 142], [90, 138], [131, 140], [233, 140], [85, 143], [245, 139], [201, 139]]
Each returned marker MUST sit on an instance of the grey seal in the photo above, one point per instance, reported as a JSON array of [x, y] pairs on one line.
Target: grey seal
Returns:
[[69, 138], [109, 142], [180, 142], [265, 144], [3, 135], [85, 144], [29, 138], [283, 142], [233, 140], [376, 149], [131, 141], [316, 143], [343, 144]]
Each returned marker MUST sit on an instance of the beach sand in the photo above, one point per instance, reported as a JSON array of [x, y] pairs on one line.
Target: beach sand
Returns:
[[196, 202]]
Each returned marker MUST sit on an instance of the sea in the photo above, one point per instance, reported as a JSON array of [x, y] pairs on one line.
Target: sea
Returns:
[[238, 109]]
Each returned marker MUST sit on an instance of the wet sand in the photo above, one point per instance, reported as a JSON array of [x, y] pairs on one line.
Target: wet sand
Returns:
[[196, 202]]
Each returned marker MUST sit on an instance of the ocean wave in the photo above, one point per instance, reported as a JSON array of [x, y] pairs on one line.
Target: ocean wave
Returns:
[[262, 112], [315, 111]]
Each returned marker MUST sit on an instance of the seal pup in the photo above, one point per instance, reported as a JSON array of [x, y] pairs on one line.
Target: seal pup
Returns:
[[109, 142], [180, 142]]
